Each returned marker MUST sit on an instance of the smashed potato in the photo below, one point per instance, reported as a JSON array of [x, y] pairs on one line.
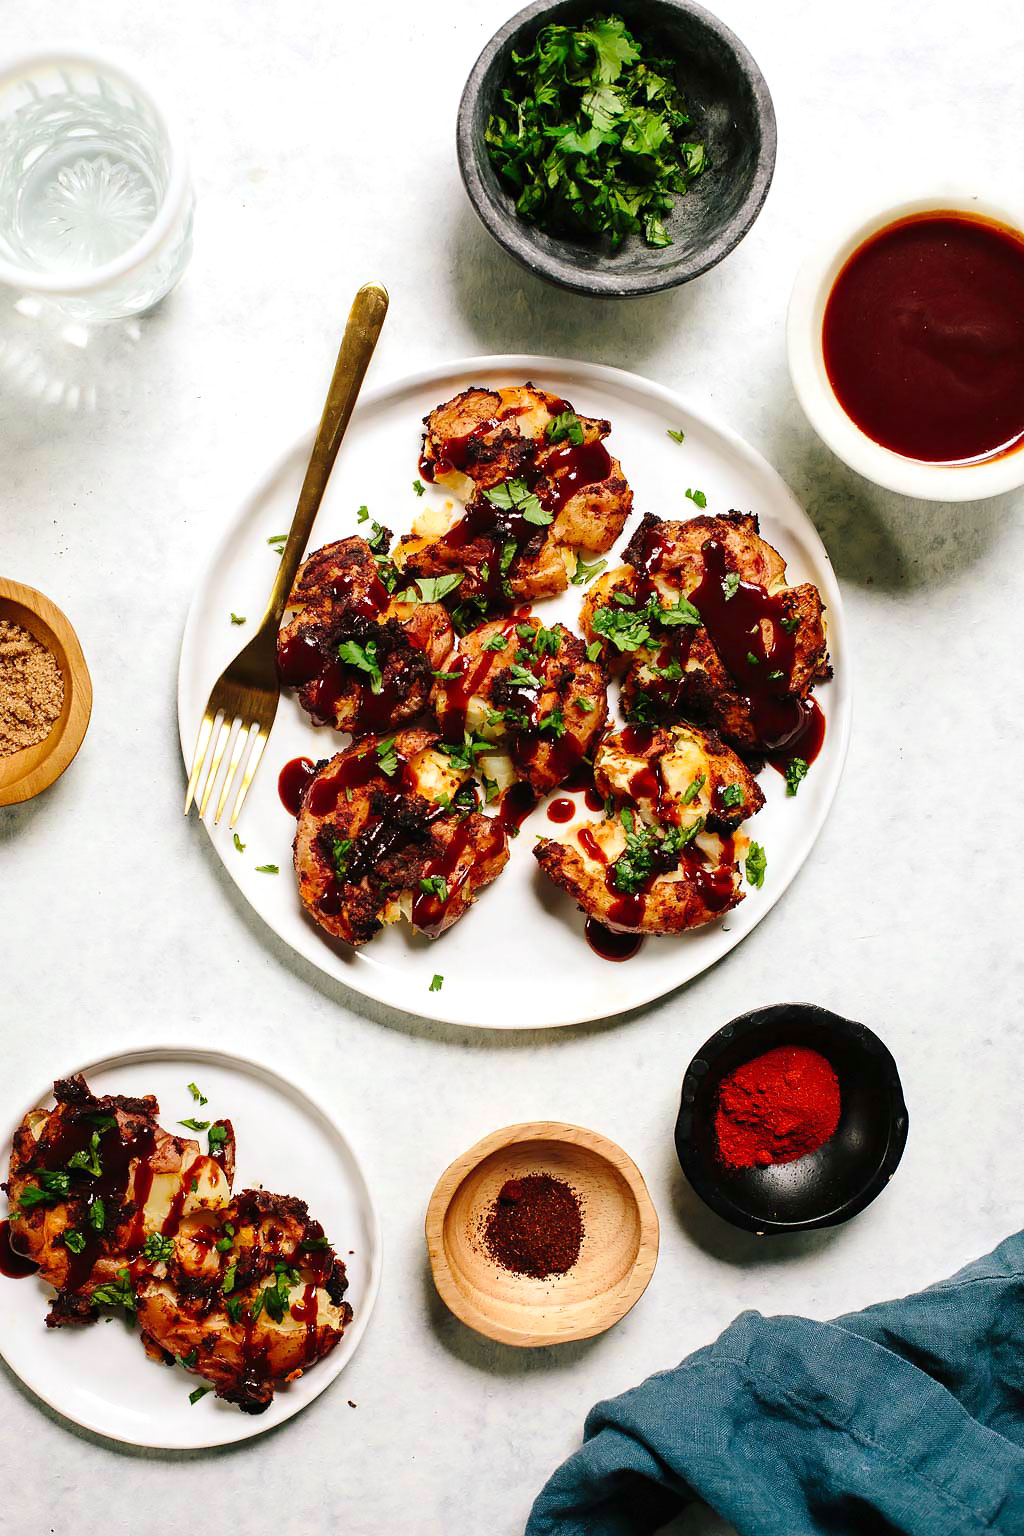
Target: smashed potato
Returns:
[[540, 486], [701, 624], [383, 833], [667, 858], [359, 658], [520, 689], [243, 1290]]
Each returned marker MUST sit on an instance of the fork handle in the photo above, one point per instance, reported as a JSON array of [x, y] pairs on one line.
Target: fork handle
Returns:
[[362, 329]]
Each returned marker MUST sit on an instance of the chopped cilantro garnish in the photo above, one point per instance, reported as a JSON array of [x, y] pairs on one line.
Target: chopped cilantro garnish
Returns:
[[591, 134], [418, 487], [233, 1308], [789, 625], [340, 850], [97, 1214], [189, 1360], [495, 643], [118, 1293], [694, 788], [436, 984], [74, 1242], [732, 795], [516, 496], [677, 437], [565, 425], [586, 705], [796, 769], [593, 650], [430, 589], [387, 757], [697, 497], [554, 722], [267, 869], [731, 584], [523, 678], [464, 755], [238, 618], [364, 659], [447, 677], [88, 1162], [584, 572], [275, 1297], [195, 1125], [228, 1283], [217, 1136], [362, 514], [199, 1392], [278, 541], [200, 1098], [756, 865], [435, 885], [649, 850], [158, 1249]]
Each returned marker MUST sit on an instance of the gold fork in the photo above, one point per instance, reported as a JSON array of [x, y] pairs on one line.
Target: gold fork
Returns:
[[244, 698]]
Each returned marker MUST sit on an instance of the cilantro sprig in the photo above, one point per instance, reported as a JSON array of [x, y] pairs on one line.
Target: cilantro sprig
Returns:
[[592, 134]]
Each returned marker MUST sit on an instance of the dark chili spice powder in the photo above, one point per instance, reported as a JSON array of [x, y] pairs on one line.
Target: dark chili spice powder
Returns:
[[776, 1108], [535, 1226]]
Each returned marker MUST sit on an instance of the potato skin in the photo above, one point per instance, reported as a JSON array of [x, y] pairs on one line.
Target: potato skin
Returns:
[[666, 559], [416, 841], [338, 597], [484, 437]]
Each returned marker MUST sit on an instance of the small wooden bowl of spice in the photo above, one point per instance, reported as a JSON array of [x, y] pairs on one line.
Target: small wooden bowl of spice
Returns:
[[792, 1118], [45, 692], [541, 1233]]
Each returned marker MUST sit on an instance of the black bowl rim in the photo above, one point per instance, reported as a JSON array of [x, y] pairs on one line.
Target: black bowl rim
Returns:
[[609, 284], [839, 1027]]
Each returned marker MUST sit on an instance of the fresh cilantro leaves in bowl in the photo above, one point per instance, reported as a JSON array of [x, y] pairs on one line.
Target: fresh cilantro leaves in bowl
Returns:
[[592, 135], [616, 151]]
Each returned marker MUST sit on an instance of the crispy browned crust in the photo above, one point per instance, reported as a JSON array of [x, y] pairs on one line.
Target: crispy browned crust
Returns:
[[592, 519], [420, 836], [708, 692], [412, 640], [573, 688], [669, 907]]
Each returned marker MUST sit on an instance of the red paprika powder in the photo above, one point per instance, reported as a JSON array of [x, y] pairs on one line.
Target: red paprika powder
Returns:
[[776, 1108]]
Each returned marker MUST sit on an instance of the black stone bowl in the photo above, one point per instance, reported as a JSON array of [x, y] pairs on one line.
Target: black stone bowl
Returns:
[[825, 1187], [733, 115]]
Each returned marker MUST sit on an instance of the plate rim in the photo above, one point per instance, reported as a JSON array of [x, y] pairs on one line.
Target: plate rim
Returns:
[[248, 1426], [526, 363]]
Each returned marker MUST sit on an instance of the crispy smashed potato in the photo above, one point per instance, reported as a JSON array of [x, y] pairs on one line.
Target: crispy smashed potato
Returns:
[[243, 1290], [540, 487], [701, 624], [383, 833], [359, 658], [668, 858], [525, 691], [251, 1296]]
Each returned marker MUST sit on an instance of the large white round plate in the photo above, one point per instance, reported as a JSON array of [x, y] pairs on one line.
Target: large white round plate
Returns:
[[518, 959], [100, 1377]]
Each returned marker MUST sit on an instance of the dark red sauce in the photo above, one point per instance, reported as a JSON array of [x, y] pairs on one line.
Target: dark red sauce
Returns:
[[561, 810], [428, 908], [516, 804], [590, 845], [609, 945], [299, 659], [923, 338], [292, 782], [353, 772], [111, 1184], [471, 679], [735, 615], [571, 467], [13, 1264], [807, 742]]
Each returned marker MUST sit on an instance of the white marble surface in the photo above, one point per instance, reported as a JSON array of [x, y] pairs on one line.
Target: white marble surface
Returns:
[[323, 151]]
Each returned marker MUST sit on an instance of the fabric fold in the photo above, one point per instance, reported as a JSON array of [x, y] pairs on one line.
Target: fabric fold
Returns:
[[906, 1418]]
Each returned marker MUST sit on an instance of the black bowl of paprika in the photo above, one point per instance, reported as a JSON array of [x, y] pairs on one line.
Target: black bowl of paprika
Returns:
[[791, 1118]]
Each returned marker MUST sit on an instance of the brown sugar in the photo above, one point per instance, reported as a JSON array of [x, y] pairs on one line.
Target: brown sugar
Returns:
[[31, 689]]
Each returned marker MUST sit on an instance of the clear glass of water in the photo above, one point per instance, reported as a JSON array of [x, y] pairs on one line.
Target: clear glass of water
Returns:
[[95, 198]]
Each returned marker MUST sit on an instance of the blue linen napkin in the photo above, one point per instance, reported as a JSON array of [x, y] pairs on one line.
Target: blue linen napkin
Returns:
[[907, 1418]]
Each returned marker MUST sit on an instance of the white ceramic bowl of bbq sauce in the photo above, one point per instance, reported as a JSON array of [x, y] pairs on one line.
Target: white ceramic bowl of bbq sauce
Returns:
[[960, 476]]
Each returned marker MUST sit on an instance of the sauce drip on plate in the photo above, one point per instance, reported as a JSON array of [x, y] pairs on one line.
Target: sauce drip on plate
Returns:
[[923, 338]]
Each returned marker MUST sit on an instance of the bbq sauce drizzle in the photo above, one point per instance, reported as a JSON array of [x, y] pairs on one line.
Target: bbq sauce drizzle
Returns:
[[745, 624], [554, 478], [125, 1161]]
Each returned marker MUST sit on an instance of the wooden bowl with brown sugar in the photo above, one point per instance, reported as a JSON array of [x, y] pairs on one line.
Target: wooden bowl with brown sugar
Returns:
[[30, 769], [617, 1255]]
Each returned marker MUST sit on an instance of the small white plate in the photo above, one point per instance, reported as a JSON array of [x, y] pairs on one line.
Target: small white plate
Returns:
[[100, 1376], [519, 958]]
